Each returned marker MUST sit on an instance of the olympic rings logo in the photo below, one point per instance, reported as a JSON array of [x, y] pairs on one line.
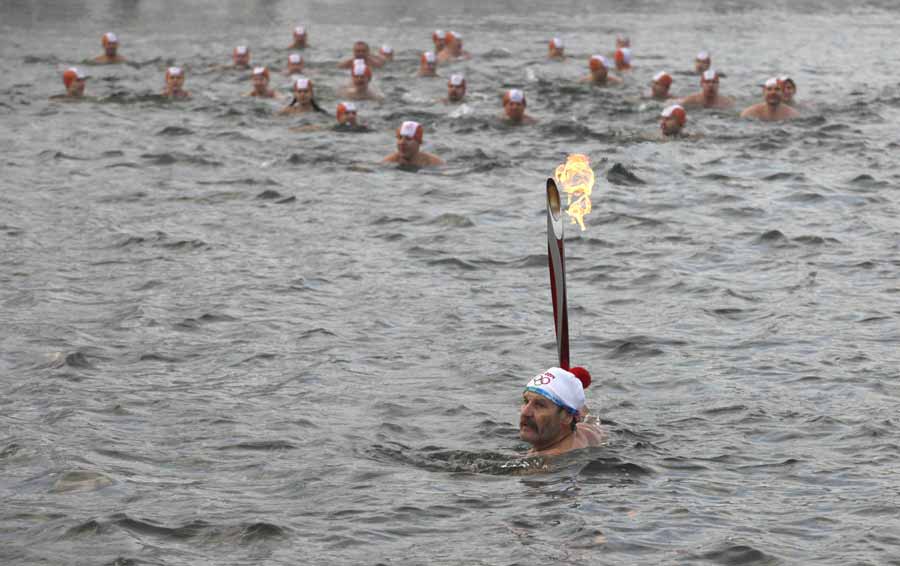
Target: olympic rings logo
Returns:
[[543, 379]]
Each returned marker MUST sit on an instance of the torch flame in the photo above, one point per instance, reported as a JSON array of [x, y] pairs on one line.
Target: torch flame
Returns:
[[576, 178]]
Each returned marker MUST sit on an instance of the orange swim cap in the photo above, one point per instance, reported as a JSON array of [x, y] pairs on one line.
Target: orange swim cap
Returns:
[[597, 62], [109, 38], [663, 78], [70, 74], [410, 129], [623, 57], [361, 69], [677, 111], [514, 95], [345, 108]]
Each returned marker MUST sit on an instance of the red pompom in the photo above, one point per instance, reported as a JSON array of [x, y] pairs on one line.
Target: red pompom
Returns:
[[583, 376]]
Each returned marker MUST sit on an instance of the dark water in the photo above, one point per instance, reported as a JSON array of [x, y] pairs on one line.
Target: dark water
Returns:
[[225, 342]]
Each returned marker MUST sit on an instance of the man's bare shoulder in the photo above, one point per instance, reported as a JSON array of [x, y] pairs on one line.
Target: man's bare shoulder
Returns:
[[429, 160]]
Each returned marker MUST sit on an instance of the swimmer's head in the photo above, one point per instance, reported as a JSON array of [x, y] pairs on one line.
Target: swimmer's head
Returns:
[[387, 52], [295, 63], [360, 73], [772, 91], [241, 56], [672, 119], [702, 62], [788, 88], [556, 48], [427, 63], [74, 81], [553, 403], [623, 58], [456, 87], [709, 82], [599, 67], [623, 41], [174, 77], [514, 104], [439, 38], [454, 40], [299, 35], [346, 113], [360, 50], [409, 138], [260, 77], [110, 43], [662, 81], [303, 90]]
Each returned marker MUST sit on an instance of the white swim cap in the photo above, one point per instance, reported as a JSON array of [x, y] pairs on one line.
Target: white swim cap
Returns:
[[557, 43], [428, 57], [662, 76], [260, 71], [295, 58], [457, 79], [772, 82], [515, 95], [110, 37], [597, 61], [240, 50], [410, 129], [299, 30], [703, 56], [710, 75], [302, 83], [562, 387], [387, 49], [174, 71]]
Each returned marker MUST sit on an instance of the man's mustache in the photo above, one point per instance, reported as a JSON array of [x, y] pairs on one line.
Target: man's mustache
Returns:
[[526, 422]]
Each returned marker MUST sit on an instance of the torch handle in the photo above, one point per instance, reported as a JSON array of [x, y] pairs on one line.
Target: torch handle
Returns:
[[556, 259]]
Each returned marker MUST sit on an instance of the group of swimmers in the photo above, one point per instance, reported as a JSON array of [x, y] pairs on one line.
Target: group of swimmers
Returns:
[[778, 92]]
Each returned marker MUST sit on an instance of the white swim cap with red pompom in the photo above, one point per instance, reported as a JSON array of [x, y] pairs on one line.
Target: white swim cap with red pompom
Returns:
[[565, 388]]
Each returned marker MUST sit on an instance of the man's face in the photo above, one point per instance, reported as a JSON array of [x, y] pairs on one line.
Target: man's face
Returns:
[[260, 82], [710, 88], [174, 82], [295, 67], [541, 422], [241, 60], [659, 89], [349, 118], [361, 82], [427, 67], [514, 110], [303, 96], [360, 50], [75, 88], [701, 65], [111, 49], [669, 125], [772, 94], [407, 147], [788, 90], [455, 93], [600, 73]]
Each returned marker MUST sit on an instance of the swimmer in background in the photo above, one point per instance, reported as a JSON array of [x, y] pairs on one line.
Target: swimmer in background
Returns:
[[439, 39], [361, 51], [771, 109], [514, 104], [456, 89], [175, 84], [623, 41], [788, 91], [623, 59], [387, 53], [295, 64], [409, 142], [454, 49], [428, 65], [671, 121], [709, 96], [74, 81], [110, 55], [299, 38], [552, 416], [347, 121], [702, 62], [659, 86], [303, 100], [600, 76], [360, 83], [240, 57], [556, 49], [261, 88]]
